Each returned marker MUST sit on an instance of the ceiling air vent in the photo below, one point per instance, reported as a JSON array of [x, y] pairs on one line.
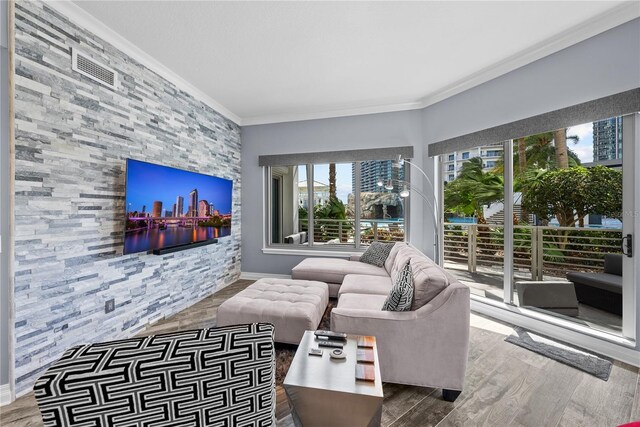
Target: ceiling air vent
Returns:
[[92, 69]]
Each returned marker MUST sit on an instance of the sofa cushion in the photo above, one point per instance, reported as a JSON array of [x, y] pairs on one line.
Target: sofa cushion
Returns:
[[604, 281], [362, 301], [365, 284], [403, 255], [377, 253], [401, 294], [332, 270], [388, 264], [428, 280]]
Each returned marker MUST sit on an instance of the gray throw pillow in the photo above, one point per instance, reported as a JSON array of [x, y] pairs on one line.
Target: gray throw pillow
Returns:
[[377, 253], [401, 296]]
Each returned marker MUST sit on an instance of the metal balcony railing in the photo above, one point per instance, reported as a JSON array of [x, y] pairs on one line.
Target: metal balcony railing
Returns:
[[339, 231], [541, 250]]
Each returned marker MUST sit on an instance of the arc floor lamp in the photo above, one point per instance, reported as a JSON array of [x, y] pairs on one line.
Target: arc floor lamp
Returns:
[[405, 192]]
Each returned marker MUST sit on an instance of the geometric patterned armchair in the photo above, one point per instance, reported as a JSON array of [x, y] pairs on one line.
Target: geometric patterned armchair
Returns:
[[207, 377]]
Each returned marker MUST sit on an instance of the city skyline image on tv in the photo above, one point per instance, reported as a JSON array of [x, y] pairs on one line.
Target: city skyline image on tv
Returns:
[[167, 207]]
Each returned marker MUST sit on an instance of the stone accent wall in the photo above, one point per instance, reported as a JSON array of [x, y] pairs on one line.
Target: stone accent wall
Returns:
[[72, 138]]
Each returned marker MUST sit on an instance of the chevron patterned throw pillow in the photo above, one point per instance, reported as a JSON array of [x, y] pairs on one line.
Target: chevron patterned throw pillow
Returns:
[[401, 295]]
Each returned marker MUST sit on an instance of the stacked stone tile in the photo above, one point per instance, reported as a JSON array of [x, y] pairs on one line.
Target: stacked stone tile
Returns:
[[72, 139]]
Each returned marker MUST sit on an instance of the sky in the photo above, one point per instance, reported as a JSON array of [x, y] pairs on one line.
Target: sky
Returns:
[[584, 147], [147, 183]]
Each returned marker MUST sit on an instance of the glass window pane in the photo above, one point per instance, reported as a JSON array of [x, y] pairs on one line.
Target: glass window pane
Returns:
[[382, 209], [568, 184], [288, 205], [333, 211], [474, 220]]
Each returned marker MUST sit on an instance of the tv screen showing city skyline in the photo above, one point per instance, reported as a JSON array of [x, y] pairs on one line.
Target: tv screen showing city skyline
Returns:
[[167, 207]]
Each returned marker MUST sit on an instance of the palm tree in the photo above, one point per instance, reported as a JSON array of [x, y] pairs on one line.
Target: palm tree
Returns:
[[473, 189], [332, 181], [562, 152], [522, 167], [539, 153]]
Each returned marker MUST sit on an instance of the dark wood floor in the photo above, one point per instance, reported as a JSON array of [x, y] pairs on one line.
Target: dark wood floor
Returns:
[[505, 386]]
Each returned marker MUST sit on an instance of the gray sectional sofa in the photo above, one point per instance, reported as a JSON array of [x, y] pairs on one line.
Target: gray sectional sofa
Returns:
[[427, 346]]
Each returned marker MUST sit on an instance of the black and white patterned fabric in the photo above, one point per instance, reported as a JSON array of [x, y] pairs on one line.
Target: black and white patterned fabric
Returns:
[[377, 253], [401, 294], [210, 377]]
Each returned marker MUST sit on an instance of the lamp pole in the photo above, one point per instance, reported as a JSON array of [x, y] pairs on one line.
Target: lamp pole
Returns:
[[433, 205]]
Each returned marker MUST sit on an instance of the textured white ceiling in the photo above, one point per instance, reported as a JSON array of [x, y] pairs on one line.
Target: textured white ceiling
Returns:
[[267, 61]]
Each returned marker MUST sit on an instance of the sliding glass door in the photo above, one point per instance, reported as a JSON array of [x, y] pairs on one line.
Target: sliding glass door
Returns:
[[558, 238]]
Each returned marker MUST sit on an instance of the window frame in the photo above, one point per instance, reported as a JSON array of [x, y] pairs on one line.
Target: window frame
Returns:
[[269, 247]]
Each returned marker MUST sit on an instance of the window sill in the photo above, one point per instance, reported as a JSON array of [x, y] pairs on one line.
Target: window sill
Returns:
[[337, 252]]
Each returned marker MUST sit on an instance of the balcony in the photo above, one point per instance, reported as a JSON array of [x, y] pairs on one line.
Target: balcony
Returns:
[[342, 232], [475, 255]]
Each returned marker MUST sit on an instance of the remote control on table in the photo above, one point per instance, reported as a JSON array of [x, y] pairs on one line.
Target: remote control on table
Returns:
[[331, 335], [330, 344]]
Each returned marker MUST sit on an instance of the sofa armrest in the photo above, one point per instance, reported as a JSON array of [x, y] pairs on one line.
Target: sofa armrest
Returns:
[[426, 347], [355, 257]]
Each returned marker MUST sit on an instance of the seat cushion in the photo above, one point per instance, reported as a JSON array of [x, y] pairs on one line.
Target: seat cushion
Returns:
[[362, 301], [365, 284], [292, 306], [332, 270], [604, 281]]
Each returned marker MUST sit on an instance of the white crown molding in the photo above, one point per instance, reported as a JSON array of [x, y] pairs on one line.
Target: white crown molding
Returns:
[[5, 394], [356, 111], [612, 18], [87, 21]]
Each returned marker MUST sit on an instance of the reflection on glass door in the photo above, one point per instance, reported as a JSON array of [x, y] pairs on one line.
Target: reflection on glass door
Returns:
[[567, 223], [557, 239], [474, 215]]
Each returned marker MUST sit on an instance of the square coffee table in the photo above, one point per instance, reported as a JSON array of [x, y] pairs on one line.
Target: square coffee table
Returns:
[[324, 391]]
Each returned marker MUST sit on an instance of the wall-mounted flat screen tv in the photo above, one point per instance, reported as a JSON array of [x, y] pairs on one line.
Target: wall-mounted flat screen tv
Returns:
[[169, 207]]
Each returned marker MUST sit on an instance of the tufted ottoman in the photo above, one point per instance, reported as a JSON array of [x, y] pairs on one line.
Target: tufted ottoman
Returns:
[[292, 306]]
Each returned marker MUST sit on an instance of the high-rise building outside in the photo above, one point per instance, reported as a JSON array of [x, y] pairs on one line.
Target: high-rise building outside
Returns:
[[179, 206], [193, 203], [203, 208], [157, 209], [607, 139], [452, 162], [212, 209], [371, 171], [167, 213]]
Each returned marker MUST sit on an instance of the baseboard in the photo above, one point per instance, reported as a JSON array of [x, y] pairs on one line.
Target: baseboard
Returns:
[[247, 275], [5, 394]]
